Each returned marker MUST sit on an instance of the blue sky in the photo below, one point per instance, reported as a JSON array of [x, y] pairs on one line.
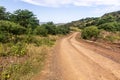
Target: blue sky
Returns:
[[62, 11]]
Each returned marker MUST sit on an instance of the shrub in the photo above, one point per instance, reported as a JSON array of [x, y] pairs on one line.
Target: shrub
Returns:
[[11, 27], [4, 37], [62, 30], [112, 26], [40, 30], [90, 32], [51, 28]]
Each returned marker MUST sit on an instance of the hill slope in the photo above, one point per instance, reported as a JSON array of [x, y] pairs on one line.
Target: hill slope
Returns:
[[106, 18]]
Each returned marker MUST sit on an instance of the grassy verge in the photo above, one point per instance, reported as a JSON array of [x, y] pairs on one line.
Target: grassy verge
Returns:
[[22, 60], [110, 36]]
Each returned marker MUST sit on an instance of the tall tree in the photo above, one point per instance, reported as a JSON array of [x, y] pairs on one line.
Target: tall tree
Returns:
[[25, 18]]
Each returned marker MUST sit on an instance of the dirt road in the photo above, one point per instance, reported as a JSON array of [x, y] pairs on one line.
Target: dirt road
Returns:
[[79, 60], [75, 60]]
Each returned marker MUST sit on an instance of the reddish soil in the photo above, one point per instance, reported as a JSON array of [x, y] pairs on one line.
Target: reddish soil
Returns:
[[75, 59]]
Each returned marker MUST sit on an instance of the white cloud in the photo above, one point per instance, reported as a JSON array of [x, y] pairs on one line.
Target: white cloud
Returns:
[[59, 3], [106, 9]]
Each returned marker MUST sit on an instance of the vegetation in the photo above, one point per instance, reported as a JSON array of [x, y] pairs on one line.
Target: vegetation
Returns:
[[109, 23], [109, 18], [25, 18], [11, 27], [25, 70], [3, 13], [83, 23], [90, 33], [24, 43], [41, 31], [111, 26]]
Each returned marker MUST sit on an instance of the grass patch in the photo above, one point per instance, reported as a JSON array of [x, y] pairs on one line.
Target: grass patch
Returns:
[[35, 51], [25, 70], [112, 39]]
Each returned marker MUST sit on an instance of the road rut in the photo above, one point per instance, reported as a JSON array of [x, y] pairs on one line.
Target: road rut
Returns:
[[76, 61]]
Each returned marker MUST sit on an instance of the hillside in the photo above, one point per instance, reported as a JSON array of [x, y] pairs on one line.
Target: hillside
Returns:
[[113, 16], [97, 21], [104, 29]]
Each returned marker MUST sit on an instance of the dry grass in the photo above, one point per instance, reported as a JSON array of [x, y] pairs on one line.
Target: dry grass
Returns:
[[37, 59], [110, 36], [29, 66], [75, 29], [25, 67]]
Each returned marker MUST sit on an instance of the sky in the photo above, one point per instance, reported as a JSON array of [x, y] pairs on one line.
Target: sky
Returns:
[[63, 11]]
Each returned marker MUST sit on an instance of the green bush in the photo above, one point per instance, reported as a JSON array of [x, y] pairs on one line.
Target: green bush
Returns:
[[51, 28], [90, 32], [11, 27], [62, 30], [4, 37], [112, 26], [40, 30]]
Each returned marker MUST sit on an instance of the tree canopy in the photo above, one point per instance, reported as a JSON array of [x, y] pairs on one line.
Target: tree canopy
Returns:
[[25, 18]]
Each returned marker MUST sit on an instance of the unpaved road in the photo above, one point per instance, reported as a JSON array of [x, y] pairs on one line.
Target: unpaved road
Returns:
[[79, 60], [75, 60]]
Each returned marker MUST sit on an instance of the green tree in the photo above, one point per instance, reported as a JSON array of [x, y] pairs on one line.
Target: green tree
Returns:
[[25, 18]]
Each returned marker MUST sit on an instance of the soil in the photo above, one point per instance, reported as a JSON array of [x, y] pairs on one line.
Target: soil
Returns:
[[76, 59]]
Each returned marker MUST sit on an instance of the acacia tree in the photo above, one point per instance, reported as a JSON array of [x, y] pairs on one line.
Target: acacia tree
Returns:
[[25, 18]]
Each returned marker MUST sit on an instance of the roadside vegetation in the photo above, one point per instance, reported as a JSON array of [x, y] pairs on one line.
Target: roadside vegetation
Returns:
[[24, 44], [91, 32], [106, 28]]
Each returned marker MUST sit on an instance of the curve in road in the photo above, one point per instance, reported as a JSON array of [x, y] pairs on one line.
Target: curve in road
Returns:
[[76, 61]]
